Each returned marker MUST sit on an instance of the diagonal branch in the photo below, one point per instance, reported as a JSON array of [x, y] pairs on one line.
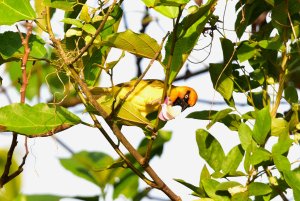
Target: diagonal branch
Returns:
[[69, 68]]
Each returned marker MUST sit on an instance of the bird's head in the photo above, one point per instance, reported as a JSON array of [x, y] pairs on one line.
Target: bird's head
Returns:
[[183, 96]]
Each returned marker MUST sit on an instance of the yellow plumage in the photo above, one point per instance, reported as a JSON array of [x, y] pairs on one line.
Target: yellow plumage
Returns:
[[142, 101]]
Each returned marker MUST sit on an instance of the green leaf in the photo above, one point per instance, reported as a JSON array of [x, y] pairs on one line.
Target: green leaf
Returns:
[[12, 49], [74, 22], [228, 50], [39, 120], [258, 188], [195, 189], [37, 73], [258, 99], [282, 163], [210, 149], [127, 186], [91, 70], [273, 43], [245, 134], [139, 44], [233, 160], [262, 125], [253, 10], [66, 5], [218, 116], [187, 35], [259, 156], [89, 166], [279, 127], [224, 186], [89, 29], [158, 145], [84, 15], [204, 175], [43, 197], [14, 11], [290, 94], [169, 8], [168, 11], [12, 189], [221, 78], [246, 51], [153, 3], [210, 187], [292, 178], [232, 121]]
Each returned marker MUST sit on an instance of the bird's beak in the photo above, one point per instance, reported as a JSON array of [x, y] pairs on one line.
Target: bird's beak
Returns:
[[183, 105]]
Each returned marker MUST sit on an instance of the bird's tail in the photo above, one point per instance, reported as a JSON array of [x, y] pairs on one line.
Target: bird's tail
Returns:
[[101, 91]]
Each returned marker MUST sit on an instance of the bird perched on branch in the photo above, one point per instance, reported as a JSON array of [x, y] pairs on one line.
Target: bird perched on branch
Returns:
[[143, 101]]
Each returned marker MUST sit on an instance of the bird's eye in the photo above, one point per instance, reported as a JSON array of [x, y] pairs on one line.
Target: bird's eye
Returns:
[[186, 96]]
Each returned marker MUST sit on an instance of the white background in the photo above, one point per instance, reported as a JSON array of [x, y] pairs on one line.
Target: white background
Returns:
[[43, 172]]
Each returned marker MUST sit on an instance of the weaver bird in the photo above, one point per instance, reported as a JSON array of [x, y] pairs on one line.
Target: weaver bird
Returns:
[[144, 101]]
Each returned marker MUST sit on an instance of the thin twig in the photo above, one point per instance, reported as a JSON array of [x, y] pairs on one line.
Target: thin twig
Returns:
[[99, 29], [68, 67]]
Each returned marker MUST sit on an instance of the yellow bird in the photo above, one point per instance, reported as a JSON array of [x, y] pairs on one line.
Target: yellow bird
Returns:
[[144, 100]]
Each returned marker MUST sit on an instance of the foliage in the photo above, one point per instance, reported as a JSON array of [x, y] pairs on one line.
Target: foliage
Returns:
[[262, 66]]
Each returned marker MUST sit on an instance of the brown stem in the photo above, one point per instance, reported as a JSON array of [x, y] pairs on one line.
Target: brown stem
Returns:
[[6, 177], [91, 100], [279, 191], [99, 29]]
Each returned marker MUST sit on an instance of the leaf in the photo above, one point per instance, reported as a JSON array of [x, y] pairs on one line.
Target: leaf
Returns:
[[169, 8], [74, 22], [195, 189], [273, 43], [163, 137], [84, 15], [218, 116], [91, 70], [127, 186], [233, 160], [224, 186], [187, 35], [89, 29], [262, 125], [89, 166], [290, 94], [210, 149], [282, 163], [228, 50], [222, 79], [258, 188], [139, 44], [66, 5], [153, 3], [245, 134], [292, 178], [259, 156], [259, 99], [246, 51], [12, 49], [279, 127], [43, 197], [253, 10], [14, 11], [210, 187], [12, 189], [232, 121], [168, 11], [204, 175], [39, 120], [37, 73]]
